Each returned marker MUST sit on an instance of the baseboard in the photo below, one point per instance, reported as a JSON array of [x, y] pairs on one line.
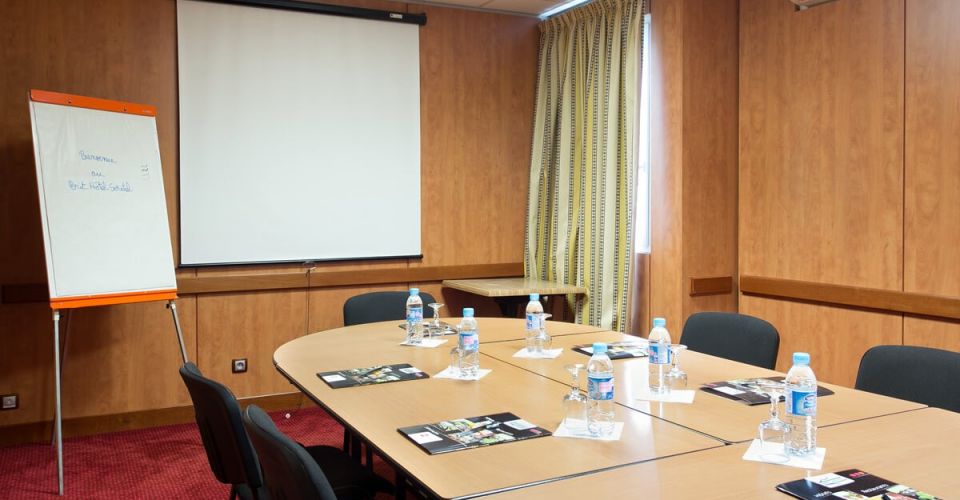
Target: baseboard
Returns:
[[41, 432]]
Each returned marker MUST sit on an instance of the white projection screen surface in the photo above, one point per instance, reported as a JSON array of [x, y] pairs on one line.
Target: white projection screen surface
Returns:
[[299, 136]]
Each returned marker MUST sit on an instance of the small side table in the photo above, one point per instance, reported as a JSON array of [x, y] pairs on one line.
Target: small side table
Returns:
[[509, 293]]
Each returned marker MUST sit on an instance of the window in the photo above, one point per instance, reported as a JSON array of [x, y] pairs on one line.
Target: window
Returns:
[[642, 216]]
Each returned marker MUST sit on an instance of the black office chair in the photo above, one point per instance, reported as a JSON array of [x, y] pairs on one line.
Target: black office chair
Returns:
[[378, 306], [734, 336], [919, 374], [230, 453], [291, 473]]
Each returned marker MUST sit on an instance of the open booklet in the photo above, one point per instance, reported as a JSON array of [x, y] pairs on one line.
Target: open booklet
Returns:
[[445, 328], [379, 374], [851, 484], [473, 432], [617, 350], [747, 390]]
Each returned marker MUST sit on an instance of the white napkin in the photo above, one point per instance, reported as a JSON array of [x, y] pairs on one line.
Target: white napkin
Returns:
[[547, 354], [581, 432], [773, 453], [674, 396], [429, 343], [449, 372]]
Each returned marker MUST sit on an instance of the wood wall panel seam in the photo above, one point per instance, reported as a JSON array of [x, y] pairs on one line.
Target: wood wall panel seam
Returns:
[[870, 298]]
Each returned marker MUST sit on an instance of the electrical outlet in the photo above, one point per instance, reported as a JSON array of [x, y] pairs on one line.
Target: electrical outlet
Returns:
[[240, 365], [10, 402]]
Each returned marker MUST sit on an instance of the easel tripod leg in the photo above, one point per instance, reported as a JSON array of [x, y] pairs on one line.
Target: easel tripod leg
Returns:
[[58, 430], [176, 324]]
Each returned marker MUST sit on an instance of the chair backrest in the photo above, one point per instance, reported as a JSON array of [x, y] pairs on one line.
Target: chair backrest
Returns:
[[289, 472], [378, 306], [733, 336], [229, 451], [920, 374]]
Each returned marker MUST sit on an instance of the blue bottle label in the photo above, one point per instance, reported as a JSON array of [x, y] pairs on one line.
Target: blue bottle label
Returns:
[[533, 322], [600, 387], [659, 353], [469, 341], [801, 403], [414, 314]]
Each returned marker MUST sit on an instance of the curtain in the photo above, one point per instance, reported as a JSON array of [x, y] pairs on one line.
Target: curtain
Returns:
[[582, 167]]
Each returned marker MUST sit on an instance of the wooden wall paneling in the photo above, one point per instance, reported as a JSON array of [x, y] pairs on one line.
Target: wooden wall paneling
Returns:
[[26, 361], [326, 305], [821, 142], [710, 148], [477, 76], [836, 338], [821, 168], [125, 358], [666, 159], [932, 165], [249, 325]]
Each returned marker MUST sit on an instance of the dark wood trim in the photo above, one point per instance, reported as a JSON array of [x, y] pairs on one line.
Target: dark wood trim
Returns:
[[869, 298], [711, 286], [37, 292], [40, 432]]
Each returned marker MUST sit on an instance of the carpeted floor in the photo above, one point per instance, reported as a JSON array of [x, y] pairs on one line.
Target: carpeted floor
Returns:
[[163, 462]]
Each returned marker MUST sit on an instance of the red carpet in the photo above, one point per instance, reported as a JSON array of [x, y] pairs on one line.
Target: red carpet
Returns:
[[163, 462]]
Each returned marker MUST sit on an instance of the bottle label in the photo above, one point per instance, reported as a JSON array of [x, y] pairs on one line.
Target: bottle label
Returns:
[[414, 314], [600, 387], [533, 321], [659, 353], [801, 403], [469, 341]]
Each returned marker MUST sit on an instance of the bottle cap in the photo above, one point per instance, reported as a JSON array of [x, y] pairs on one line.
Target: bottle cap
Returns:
[[467, 312], [534, 296], [414, 291], [801, 358], [659, 322], [599, 348]]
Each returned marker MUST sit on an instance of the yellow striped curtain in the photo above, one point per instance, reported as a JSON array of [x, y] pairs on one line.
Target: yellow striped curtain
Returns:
[[582, 166]]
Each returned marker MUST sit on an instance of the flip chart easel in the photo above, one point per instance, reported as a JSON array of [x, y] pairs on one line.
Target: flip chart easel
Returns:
[[102, 206]]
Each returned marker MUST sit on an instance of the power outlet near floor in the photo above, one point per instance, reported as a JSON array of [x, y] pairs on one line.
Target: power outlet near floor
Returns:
[[10, 402], [239, 365]]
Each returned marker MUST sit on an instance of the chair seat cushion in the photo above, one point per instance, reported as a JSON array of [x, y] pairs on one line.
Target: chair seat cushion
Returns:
[[348, 478]]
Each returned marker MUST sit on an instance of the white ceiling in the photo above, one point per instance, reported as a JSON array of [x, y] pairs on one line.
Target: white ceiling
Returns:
[[521, 7]]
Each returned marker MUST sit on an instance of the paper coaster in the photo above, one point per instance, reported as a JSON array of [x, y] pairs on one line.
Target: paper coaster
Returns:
[[548, 354], [449, 372], [674, 396], [428, 343], [772, 453], [581, 432]]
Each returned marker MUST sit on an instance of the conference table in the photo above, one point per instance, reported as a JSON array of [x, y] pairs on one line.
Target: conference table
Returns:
[[659, 440]]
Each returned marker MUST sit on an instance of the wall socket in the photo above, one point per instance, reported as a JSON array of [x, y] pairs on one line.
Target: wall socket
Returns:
[[10, 402], [239, 365]]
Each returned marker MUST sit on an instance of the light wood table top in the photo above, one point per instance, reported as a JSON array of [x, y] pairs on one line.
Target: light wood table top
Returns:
[[916, 448], [491, 329], [509, 287], [375, 412], [713, 415]]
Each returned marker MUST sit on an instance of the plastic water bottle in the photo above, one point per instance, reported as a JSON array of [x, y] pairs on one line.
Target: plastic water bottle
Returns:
[[534, 311], [659, 358], [414, 317], [600, 392], [468, 345], [801, 406]]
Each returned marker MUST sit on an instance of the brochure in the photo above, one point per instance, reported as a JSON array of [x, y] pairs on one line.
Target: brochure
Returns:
[[851, 484], [473, 432], [445, 328], [617, 350], [379, 374], [748, 391]]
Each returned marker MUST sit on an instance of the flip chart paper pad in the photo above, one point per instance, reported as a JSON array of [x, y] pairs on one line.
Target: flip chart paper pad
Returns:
[[102, 202]]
